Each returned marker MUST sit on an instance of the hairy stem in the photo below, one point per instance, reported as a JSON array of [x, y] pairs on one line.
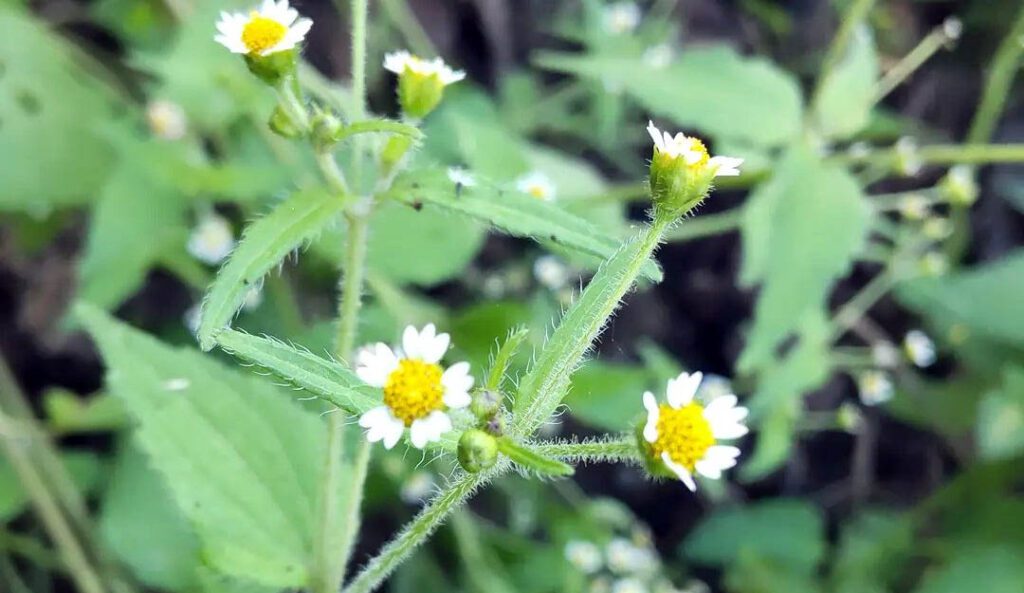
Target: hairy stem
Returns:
[[943, 154], [910, 63], [856, 307], [621, 449]]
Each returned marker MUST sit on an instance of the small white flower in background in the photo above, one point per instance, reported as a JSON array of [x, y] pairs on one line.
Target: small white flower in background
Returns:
[[211, 240], [191, 318], [402, 61], [859, 150], [874, 388], [418, 392], [937, 228], [849, 417], [418, 487], [621, 17], [908, 161], [253, 298], [959, 185], [914, 207], [536, 184], [601, 584], [629, 585], [460, 176], [659, 56], [684, 434], [885, 355], [952, 28], [920, 348], [696, 586], [273, 28], [550, 272], [934, 263], [166, 120], [692, 151], [584, 556], [714, 386]]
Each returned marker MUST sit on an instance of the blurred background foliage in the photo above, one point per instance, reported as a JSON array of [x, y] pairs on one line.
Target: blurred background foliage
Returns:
[[124, 129]]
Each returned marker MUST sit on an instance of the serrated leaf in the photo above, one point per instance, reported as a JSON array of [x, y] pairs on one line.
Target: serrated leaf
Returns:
[[512, 212], [844, 105], [547, 382], [1000, 429], [264, 244], [301, 368], [789, 532], [707, 88], [242, 459], [985, 299], [801, 231]]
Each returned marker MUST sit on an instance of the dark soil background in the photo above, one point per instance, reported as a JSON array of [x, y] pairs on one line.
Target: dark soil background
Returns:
[[698, 313]]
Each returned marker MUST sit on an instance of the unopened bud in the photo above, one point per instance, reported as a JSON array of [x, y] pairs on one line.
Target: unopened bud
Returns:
[[421, 82], [958, 186], [477, 451], [325, 128], [908, 161], [282, 124], [485, 404], [273, 68]]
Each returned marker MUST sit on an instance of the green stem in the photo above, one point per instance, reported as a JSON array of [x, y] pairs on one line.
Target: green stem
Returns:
[[853, 18], [856, 307], [910, 63], [942, 154], [620, 449], [29, 549], [359, 11], [706, 225], [997, 85], [418, 530]]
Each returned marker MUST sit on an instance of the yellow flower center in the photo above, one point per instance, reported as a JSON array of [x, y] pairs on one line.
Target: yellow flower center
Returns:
[[684, 434], [414, 390], [698, 155], [261, 33], [538, 191]]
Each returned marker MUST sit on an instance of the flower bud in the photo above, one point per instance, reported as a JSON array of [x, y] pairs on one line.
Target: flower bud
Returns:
[[908, 161], [274, 68], [485, 404], [682, 171], [282, 124], [421, 82], [325, 128], [958, 186], [477, 451]]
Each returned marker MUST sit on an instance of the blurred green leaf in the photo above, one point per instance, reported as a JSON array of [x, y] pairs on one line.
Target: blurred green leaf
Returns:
[[707, 88], [241, 458], [67, 412], [790, 533], [142, 525], [873, 548], [83, 467], [265, 242], [607, 396], [1000, 429], [801, 231], [847, 93], [753, 573], [988, 569]]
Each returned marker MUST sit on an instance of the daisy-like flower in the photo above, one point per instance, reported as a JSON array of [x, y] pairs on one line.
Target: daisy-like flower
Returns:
[[692, 152], [920, 348], [536, 184], [684, 435], [585, 556], [166, 120], [418, 391], [274, 27], [551, 272], [621, 17], [874, 388], [403, 62], [211, 240], [460, 176]]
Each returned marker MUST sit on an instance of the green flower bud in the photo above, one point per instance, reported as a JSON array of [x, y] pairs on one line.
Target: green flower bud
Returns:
[[282, 124], [325, 127], [274, 68], [485, 404], [477, 451], [959, 187], [682, 171]]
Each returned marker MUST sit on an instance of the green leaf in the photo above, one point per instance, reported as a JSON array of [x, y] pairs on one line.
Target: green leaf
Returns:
[[873, 549], [707, 88], [788, 532], [503, 357], [54, 109], [1000, 430], [143, 527], [547, 382], [985, 299], [532, 460], [512, 212], [241, 458], [990, 569], [801, 231], [263, 245], [67, 413], [324, 378], [607, 396], [847, 94]]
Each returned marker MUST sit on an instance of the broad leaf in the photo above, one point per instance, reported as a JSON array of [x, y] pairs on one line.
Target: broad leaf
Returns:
[[264, 244], [847, 94], [710, 89], [991, 569], [801, 231], [1000, 430], [511, 212], [242, 459], [607, 396]]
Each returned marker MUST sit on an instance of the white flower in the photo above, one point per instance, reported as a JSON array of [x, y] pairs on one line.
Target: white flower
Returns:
[[659, 57], [952, 28], [460, 176], [401, 61], [625, 557], [584, 556], [908, 161], [550, 272], [919, 348], [274, 27], [211, 240], [692, 151], [629, 585], [914, 206], [418, 487], [536, 184], [684, 434], [875, 388], [621, 17], [166, 120], [418, 392]]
